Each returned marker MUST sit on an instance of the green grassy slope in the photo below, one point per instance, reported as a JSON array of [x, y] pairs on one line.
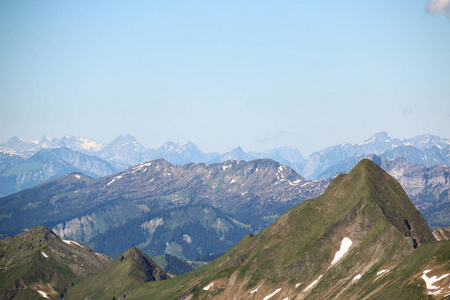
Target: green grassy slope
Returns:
[[39, 260], [129, 269], [405, 282], [367, 206]]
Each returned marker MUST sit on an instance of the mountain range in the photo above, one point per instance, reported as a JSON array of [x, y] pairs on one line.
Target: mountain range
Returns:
[[19, 172], [189, 211], [361, 239], [426, 149], [193, 210]]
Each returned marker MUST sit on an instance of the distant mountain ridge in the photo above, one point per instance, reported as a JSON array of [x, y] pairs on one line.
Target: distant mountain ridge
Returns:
[[47, 164], [426, 149], [380, 144], [188, 211], [126, 151]]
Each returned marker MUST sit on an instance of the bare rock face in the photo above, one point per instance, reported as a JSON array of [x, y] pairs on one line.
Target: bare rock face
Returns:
[[442, 234]]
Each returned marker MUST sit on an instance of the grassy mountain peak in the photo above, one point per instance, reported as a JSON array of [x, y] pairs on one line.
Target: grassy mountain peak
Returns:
[[131, 268], [393, 201]]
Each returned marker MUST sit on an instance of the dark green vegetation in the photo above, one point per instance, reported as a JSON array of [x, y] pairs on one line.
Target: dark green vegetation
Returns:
[[176, 266], [38, 260], [368, 207], [188, 211]]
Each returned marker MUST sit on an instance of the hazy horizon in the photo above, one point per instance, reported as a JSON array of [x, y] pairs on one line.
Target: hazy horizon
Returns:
[[305, 155], [257, 74]]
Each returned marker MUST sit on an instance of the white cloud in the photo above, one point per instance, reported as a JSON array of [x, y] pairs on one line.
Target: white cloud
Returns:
[[439, 6]]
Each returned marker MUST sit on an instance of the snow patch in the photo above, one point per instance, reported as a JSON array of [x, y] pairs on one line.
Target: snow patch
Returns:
[[295, 182], [206, 288], [78, 176], [45, 255], [345, 245], [187, 238], [69, 242], [226, 167], [382, 272], [273, 294], [255, 290], [137, 168], [357, 277], [232, 181], [430, 281], [313, 283], [297, 285], [43, 294], [114, 179]]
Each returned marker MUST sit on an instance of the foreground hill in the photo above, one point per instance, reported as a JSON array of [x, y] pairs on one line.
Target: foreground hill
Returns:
[[37, 264], [131, 268], [346, 243], [189, 211]]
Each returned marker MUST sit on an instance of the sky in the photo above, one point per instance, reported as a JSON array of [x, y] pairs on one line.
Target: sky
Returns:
[[222, 74]]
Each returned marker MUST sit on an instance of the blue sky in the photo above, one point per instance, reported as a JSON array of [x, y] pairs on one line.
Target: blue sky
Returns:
[[256, 74]]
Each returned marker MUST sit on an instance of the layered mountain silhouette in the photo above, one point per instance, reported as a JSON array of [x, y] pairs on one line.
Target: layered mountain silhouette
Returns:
[[189, 211], [362, 239], [48, 164], [126, 151]]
